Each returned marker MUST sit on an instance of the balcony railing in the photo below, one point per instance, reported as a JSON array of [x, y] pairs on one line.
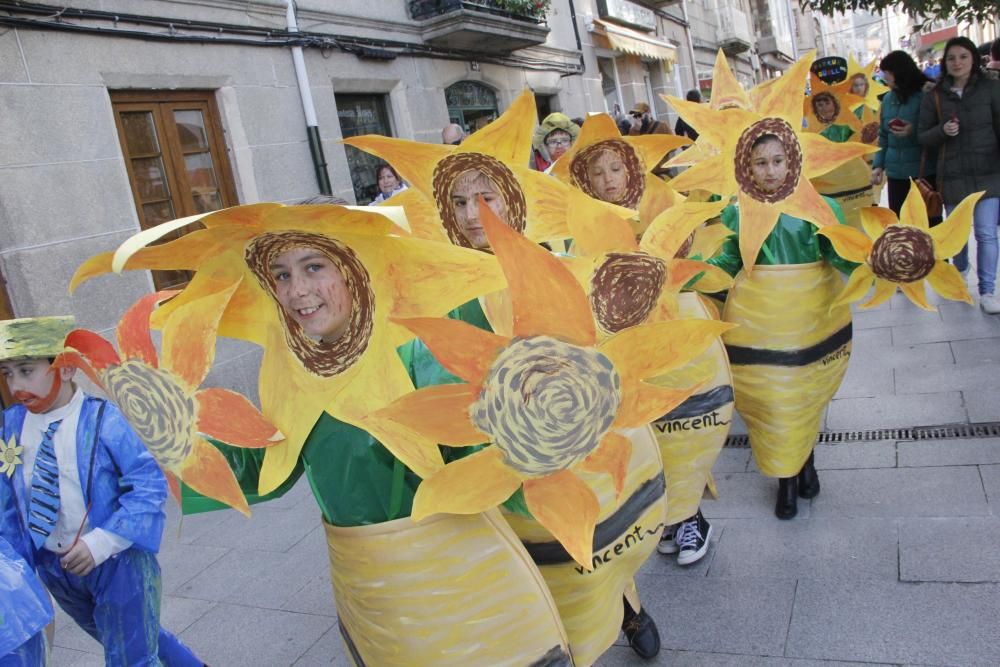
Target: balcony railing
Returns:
[[425, 9]]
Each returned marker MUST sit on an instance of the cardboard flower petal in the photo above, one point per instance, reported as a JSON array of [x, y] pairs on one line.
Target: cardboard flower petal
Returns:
[[386, 276], [548, 399], [874, 89], [729, 173], [904, 252], [827, 105], [727, 92], [162, 402]]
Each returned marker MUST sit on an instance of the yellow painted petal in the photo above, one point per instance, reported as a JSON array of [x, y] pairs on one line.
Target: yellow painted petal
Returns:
[[682, 271], [650, 350], [643, 403], [712, 279], [715, 174], [708, 122], [463, 349], [95, 266], [547, 299], [948, 282], [857, 286], [757, 220], [727, 92], [657, 198], [652, 148], [669, 230], [916, 293], [875, 219], [189, 337], [469, 485], [822, 155], [611, 457], [508, 138], [418, 453], [914, 211], [848, 242], [952, 234], [806, 203], [440, 413], [595, 229], [568, 509], [421, 214], [784, 97], [413, 160], [883, 292], [708, 240], [138, 241]]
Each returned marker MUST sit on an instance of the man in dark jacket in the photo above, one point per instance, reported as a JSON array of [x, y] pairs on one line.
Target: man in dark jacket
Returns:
[[641, 121], [682, 129]]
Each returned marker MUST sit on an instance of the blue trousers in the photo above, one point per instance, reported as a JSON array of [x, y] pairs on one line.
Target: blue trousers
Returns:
[[984, 228], [118, 604]]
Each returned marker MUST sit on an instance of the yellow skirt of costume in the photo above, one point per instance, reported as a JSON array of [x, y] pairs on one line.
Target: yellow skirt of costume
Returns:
[[788, 357], [691, 436], [451, 590], [628, 529], [850, 185]]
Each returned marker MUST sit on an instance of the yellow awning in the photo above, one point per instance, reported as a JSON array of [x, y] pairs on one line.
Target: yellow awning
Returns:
[[636, 43]]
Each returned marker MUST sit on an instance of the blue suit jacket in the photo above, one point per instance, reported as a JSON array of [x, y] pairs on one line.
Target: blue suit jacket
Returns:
[[122, 484]]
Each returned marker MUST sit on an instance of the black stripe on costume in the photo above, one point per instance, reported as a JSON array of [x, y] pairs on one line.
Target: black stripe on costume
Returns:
[[846, 193], [701, 404], [350, 645], [755, 356], [554, 657], [607, 531]]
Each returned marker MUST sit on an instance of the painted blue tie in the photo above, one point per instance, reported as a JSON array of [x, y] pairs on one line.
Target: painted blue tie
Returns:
[[44, 506]]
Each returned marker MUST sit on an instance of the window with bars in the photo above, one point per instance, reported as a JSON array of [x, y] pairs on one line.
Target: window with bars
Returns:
[[176, 160]]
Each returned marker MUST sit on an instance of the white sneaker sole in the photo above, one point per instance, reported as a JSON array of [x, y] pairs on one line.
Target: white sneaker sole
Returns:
[[667, 547], [690, 557]]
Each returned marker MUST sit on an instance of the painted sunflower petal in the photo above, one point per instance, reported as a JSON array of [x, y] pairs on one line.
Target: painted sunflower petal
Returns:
[[414, 161], [547, 299], [595, 129], [883, 292], [69, 358], [875, 219], [671, 228], [508, 138], [595, 229], [783, 97], [716, 174], [611, 457], [848, 242], [822, 155], [650, 350], [914, 211], [757, 220], [568, 509], [421, 213], [857, 286], [727, 92], [652, 148], [643, 403], [189, 337], [708, 240], [948, 282], [470, 485], [99, 353], [916, 293], [952, 234], [141, 240], [441, 413], [418, 453], [712, 279], [463, 349], [231, 418], [206, 471], [134, 341], [95, 266], [807, 204]]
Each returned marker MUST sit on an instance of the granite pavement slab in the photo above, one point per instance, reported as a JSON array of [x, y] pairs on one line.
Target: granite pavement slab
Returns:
[[961, 549]]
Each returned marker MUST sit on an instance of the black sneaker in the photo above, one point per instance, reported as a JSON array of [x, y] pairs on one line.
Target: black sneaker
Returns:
[[641, 633], [692, 539], [668, 540]]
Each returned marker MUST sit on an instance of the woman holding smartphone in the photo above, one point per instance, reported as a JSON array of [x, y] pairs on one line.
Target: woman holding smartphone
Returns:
[[900, 155]]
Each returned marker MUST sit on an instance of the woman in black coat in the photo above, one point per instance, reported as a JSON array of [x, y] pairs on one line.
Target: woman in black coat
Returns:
[[961, 118]]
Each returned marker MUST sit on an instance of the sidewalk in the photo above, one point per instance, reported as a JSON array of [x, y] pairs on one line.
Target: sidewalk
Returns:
[[896, 562]]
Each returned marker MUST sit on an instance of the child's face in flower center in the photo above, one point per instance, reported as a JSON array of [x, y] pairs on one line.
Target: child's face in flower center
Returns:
[[312, 291], [768, 164]]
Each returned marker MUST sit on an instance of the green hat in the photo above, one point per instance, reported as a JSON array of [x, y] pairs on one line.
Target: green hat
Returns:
[[33, 337]]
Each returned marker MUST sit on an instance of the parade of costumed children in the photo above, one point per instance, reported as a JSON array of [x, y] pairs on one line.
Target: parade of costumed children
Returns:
[[497, 436]]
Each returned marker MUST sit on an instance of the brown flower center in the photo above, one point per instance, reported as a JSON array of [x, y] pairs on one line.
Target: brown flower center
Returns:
[[902, 254], [450, 168], [869, 133], [624, 289]]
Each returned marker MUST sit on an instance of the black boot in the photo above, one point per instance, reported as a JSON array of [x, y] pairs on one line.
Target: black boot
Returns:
[[808, 480], [641, 632], [788, 498]]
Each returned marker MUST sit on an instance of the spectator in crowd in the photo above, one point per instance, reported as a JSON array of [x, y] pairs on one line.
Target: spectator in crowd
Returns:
[[641, 121], [389, 183], [991, 68], [453, 134], [961, 118], [552, 139], [932, 70], [900, 155], [681, 128]]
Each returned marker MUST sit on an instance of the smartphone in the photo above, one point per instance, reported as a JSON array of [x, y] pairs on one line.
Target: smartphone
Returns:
[[897, 123], [954, 117]]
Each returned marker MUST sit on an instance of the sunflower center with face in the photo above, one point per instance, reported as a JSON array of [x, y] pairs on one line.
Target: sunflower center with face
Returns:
[[826, 107], [460, 180], [768, 160], [625, 288], [324, 296], [902, 254], [154, 404], [546, 404], [610, 170]]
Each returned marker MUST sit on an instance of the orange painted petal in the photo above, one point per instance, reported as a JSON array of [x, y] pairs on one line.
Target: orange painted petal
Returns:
[[708, 122], [206, 471], [652, 148], [757, 220], [73, 359], [508, 138], [229, 417], [849, 243], [914, 211], [822, 155], [671, 228], [650, 350], [595, 229], [883, 292], [857, 286], [657, 198], [464, 350], [916, 293], [952, 234], [546, 297], [948, 282], [132, 332], [612, 457], [421, 213], [418, 453], [189, 336], [440, 413], [469, 485], [726, 89], [413, 160], [709, 239], [807, 204], [875, 219], [95, 266], [99, 352], [682, 271], [174, 485], [643, 403], [568, 509]]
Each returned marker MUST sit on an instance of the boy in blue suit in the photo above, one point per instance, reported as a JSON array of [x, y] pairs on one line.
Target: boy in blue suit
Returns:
[[82, 500]]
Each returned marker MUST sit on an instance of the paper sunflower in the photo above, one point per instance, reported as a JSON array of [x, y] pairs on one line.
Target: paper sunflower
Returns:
[[734, 132], [549, 399], [10, 457], [727, 92], [158, 393], [827, 105], [636, 187], [535, 205], [300, 378], [875, 87], [904, 252]]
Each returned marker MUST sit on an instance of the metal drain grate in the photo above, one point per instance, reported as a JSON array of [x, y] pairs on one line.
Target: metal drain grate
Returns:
[[946, 432]]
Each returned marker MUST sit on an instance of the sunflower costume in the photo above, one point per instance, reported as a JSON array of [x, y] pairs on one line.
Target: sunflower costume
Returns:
[[406, 593]]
